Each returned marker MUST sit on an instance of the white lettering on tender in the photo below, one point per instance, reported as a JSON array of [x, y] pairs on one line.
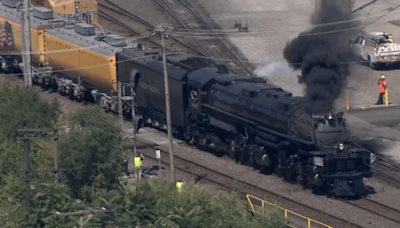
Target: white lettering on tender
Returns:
[[151, 88]]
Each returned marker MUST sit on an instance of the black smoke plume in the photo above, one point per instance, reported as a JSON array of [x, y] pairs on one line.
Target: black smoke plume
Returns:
[[323, 54]]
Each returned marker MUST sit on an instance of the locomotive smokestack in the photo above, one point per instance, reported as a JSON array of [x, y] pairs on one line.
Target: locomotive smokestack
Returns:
[[322, 54]]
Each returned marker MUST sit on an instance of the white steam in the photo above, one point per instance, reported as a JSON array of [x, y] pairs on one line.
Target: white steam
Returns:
[[280, 74]]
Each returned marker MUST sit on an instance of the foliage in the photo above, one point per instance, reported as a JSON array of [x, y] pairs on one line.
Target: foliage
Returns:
[[155, 203], [46, 200], [92, 155], [23, 107], [12, 160], [93, 152], [45, 197]]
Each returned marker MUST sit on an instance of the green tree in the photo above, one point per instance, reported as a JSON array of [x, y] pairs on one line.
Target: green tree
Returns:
[[156, 203], [46, 198], [20, 107], [93, 152]]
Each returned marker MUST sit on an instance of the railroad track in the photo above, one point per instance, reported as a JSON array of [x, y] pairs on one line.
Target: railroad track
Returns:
[[226, 182], [209, 47], [112, 12], [127, 27], [387, 171], [213, 50], [377, 208]]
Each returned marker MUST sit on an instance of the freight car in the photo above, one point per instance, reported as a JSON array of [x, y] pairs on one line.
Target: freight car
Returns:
[[212, 108], [83, 56], [86, 8]]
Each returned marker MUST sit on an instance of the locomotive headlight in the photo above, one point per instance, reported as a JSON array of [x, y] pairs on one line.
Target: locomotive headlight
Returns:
[[341, 146], [330, 116]]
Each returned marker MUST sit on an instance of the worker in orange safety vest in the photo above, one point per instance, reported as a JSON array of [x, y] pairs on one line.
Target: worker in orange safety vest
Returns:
[[382, 89]]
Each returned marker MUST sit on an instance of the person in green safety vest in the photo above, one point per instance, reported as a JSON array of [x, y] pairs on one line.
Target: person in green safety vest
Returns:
[[179, 184], [138, 161]]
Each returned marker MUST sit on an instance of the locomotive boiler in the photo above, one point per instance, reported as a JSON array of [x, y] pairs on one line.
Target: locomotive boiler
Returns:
[[256, 123]]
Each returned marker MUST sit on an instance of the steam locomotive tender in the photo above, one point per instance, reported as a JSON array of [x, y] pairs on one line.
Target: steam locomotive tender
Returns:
[[255, 123]]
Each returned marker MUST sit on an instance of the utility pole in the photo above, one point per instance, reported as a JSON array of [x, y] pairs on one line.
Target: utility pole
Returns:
[[121, 119], [26, 153], [56, 169], [164, 30], [133, 119], [27, 173], [20, 9], [26, 41]]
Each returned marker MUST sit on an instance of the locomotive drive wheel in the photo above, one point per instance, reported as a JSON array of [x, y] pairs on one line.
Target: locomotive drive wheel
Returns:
[[281, 164]]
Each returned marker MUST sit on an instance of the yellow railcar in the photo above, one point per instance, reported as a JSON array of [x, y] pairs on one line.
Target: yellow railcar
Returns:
[[72, 50], [10, 35], [77, 56], [71, 7]]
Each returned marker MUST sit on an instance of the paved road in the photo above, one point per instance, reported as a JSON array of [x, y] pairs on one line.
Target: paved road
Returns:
[[380, 117]]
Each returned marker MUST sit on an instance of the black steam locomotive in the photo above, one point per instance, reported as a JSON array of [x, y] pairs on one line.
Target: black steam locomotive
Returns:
[[254, 122]]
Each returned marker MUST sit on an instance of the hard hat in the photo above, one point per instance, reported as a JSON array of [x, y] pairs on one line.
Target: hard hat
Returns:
[[383, 76]]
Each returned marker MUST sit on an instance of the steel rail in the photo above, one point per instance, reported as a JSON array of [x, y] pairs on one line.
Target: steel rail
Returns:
[[190, 6], [206, 173], [142, 21], [176, 17], [376, 208], [168, 8], [127, 27]]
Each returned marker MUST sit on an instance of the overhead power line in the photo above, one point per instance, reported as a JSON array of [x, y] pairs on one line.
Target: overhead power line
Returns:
[[297, 27], [196, 56], [207, 31], [129, 39]]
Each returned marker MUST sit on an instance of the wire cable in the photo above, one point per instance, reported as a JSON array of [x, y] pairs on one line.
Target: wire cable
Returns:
[[189, 55], [266, 62], [87, 67], [297, 27], [250, 33], [207, 31]]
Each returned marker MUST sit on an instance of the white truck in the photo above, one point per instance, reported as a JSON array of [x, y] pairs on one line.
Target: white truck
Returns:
[[377, 48]]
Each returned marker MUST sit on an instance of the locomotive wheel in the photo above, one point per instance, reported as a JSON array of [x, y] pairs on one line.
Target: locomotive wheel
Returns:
[[278, 169], [243, 158], [281, 161]]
